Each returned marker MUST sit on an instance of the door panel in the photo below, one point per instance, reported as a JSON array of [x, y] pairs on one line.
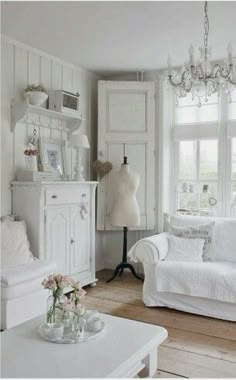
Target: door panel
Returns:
[[80, 242], [57, 237], [127, 111]]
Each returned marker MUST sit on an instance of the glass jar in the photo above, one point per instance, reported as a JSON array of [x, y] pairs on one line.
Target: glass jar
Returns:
[[54, 306]]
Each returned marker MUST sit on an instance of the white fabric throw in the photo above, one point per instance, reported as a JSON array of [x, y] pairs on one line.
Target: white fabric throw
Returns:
[[214, 280], [159, 248]]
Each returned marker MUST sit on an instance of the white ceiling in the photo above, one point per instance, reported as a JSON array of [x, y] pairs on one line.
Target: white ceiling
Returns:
[[119, 36]]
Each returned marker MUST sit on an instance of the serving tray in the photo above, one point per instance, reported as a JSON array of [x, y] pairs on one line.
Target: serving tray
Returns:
[[69, 337]]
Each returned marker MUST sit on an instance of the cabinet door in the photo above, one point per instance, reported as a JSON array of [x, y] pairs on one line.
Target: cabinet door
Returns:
[[58, 237], [126, 127], [80, 242]]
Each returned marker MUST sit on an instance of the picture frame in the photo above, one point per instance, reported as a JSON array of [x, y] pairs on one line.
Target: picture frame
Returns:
[[52, 156]]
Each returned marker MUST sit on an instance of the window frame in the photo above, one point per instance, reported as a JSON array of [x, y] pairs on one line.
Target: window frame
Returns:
[[197, 180], [223, 130]]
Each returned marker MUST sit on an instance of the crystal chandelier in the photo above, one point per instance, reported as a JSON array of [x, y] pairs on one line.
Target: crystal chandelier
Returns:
[[202, 79]]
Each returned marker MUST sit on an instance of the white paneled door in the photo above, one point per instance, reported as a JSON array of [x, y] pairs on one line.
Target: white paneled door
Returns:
[[126, 127], [57, 237], [80, 242]]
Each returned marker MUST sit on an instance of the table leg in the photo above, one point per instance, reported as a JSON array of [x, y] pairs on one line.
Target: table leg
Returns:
[[150, 364]]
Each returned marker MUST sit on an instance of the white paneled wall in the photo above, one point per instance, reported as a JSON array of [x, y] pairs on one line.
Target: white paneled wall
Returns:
[[20, 66]]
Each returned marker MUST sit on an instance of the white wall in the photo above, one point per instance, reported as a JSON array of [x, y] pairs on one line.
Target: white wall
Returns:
[[21, 65]]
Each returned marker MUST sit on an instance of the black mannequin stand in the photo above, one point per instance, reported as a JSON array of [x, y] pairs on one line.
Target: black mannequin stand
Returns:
[[124, 264]]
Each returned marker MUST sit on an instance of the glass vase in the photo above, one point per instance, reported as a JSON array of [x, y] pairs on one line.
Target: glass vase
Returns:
[[54, 307]]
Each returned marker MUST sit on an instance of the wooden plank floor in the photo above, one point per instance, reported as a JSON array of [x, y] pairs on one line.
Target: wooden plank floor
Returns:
[[197, 346]]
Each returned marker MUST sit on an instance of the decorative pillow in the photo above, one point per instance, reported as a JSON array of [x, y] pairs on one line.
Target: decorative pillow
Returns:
[[205, 231], [184, 249], [15, 244]]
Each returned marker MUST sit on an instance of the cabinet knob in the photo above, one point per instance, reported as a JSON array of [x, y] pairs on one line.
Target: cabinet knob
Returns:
[[72, 241], [54, 196]]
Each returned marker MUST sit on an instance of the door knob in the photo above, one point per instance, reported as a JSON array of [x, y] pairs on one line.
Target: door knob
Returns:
[[54, 196], [72, 241]]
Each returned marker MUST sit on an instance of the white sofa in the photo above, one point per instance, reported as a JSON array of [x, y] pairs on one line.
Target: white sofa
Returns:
[[207, 288]]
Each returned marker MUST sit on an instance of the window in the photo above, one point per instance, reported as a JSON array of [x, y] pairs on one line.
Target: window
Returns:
[[204, 141], [197, 178]]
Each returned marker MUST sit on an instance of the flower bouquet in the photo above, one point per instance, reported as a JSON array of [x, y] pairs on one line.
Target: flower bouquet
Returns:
[[57, 283]]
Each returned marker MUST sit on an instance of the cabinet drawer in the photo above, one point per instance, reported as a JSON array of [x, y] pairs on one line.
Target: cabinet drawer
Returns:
[[55, 196]]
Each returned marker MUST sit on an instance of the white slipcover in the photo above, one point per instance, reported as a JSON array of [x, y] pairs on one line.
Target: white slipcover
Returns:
[[188, 284]]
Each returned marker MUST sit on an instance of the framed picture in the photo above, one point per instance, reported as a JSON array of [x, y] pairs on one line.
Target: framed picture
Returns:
[[52, 155]]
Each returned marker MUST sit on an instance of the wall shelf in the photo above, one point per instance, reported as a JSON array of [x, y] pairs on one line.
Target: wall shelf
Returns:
[[20, 112]]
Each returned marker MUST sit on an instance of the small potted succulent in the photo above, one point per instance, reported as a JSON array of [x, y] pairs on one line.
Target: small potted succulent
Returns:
[[36, 94]]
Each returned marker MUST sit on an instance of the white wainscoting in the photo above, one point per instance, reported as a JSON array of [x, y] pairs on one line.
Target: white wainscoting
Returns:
[[21, 65]]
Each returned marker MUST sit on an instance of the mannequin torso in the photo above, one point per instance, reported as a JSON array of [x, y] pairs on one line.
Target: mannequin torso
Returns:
[[125, 212]]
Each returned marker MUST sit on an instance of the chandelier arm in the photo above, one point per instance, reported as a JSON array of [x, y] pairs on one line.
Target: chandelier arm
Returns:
[[215, 68], [228, 72], [232, 82], [181, 82]]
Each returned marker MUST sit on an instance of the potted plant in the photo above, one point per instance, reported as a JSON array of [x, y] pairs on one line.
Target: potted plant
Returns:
[[36, 94]]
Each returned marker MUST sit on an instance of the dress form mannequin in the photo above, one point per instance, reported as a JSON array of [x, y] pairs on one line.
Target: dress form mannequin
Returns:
[[125, 212]]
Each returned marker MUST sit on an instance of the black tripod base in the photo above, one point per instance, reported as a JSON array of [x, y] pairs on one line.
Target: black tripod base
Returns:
[[120, 269]]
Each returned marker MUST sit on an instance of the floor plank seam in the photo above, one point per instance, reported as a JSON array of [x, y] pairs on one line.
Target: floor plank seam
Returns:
[[195, 353], [172, 373]]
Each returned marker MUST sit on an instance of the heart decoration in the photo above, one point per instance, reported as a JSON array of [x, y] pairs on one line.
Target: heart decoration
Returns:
[[102, 168]]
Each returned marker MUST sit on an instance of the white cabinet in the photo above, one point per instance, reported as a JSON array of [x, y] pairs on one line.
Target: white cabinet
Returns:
[[60, 218]]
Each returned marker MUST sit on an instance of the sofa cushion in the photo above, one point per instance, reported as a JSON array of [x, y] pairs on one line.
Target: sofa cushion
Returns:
[[184, 249], [21, 290], [15, 245], [225, 234], [37, 269], [204, 231]]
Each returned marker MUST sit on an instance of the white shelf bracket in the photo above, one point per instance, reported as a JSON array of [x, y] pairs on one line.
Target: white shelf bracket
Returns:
[[18, 113]]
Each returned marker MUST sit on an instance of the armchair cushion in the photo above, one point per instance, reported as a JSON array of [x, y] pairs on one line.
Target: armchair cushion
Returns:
[[150, 250]]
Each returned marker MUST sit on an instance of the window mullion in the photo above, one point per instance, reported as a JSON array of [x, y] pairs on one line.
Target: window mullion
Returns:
[[197, 153], [222, 156]]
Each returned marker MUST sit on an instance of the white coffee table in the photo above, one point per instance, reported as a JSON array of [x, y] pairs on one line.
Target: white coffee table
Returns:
[[124, 349]]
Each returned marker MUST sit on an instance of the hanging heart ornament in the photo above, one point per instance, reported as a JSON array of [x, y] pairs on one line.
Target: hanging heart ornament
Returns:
[[102, 168]]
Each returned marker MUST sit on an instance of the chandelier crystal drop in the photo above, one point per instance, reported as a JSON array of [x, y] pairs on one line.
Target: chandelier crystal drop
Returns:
[[203, 78]]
